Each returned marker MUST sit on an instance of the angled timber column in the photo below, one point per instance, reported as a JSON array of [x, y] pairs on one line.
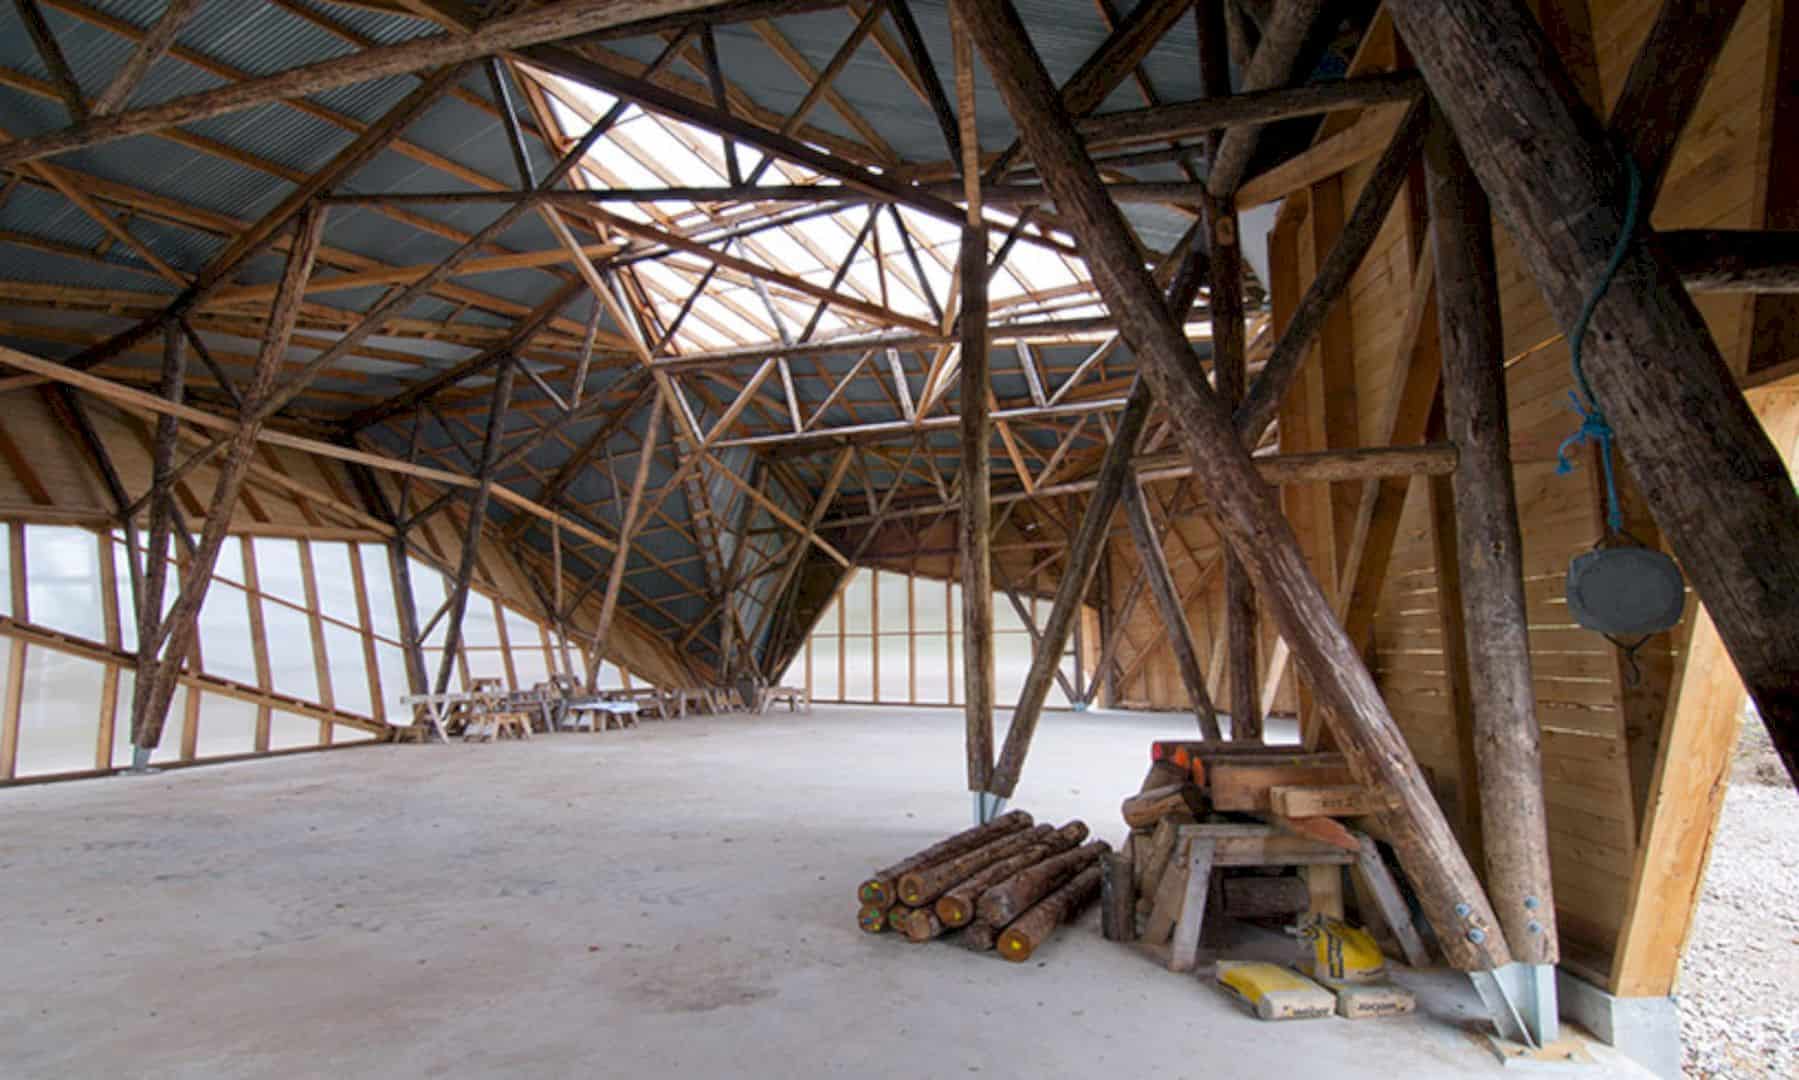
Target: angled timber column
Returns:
[[398, 572], [412, 640], [1514, 820], [1085, 554], [1230, 377], [1711, 477], [1241, 501], [164, 643], [1148, 542], [976, 520], [457, 603], [627, 527]]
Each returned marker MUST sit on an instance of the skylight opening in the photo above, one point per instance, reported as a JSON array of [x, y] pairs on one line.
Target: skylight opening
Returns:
[[650, 151]]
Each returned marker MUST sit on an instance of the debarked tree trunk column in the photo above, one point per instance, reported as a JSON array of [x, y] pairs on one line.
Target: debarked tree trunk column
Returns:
[[1243, 505]]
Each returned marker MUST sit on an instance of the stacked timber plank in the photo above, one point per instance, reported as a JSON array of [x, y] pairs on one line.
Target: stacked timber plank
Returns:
[[1245, 830], [1004, 886], [1302, 793]]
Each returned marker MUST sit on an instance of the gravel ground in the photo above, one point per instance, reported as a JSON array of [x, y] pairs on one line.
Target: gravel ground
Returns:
[[1739, 986]]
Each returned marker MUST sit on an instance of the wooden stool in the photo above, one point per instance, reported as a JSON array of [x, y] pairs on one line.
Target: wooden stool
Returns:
[[1181, 894]]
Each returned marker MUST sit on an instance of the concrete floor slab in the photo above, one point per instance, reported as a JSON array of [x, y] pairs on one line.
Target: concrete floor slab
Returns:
[[674, 900]]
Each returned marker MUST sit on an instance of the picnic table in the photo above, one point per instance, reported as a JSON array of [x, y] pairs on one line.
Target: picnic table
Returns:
[[485, 711]]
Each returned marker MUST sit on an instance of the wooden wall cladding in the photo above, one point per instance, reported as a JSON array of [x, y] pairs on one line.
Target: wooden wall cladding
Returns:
[[1598, 732]]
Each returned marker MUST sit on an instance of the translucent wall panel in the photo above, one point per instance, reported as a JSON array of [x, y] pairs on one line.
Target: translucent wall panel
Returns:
[[278, 569], [1011, 662], [288, 731], [858, 599], [390, 663], [521, 631], [121, 724], [59, 721], [486, 664], [348, 671], [478, 625], [62, 580], [427, 596], [824, 668], [858, 668], [227, 646], [121, 559], [896, 668], [930, 605], [383, 616], [230, 563], [892, 592], [609, 677], [530, 665], [227, 726], [337, 589], [933, 668], [5, 570], [290, 650]]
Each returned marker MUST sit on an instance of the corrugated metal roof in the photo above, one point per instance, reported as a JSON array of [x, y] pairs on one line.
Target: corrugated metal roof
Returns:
[[263, 38]]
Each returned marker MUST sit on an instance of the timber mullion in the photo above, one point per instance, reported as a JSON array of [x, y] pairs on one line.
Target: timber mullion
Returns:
[[321, 664], [259, 640], [365, 633], [15, 664]]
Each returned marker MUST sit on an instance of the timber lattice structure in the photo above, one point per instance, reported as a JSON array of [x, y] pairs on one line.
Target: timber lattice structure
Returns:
[[634, 327]]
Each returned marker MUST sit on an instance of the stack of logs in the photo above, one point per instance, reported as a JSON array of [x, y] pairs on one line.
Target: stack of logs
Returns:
[[1301, 794], [1005, 886]]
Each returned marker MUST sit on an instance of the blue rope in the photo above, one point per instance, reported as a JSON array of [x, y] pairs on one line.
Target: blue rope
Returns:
[[1593, 426]]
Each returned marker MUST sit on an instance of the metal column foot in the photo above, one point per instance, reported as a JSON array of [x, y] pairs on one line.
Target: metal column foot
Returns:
[[1522, 1001], [987, 806]]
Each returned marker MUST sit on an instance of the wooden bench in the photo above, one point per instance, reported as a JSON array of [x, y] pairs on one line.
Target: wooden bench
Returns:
[[796, 698]]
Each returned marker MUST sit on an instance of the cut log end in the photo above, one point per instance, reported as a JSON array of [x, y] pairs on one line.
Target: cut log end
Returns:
[[954, 911], [1015, 947], [872, 918], [876, 892]]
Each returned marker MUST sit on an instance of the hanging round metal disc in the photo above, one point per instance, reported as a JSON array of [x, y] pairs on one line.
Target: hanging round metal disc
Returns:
[[1625, 591]]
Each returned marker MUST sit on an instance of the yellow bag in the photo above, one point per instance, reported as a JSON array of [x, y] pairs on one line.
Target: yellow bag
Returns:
[[1333, 951], [1274, 993]]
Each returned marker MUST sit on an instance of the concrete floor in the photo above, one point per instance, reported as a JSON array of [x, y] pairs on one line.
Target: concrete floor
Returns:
[[675, 900]]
